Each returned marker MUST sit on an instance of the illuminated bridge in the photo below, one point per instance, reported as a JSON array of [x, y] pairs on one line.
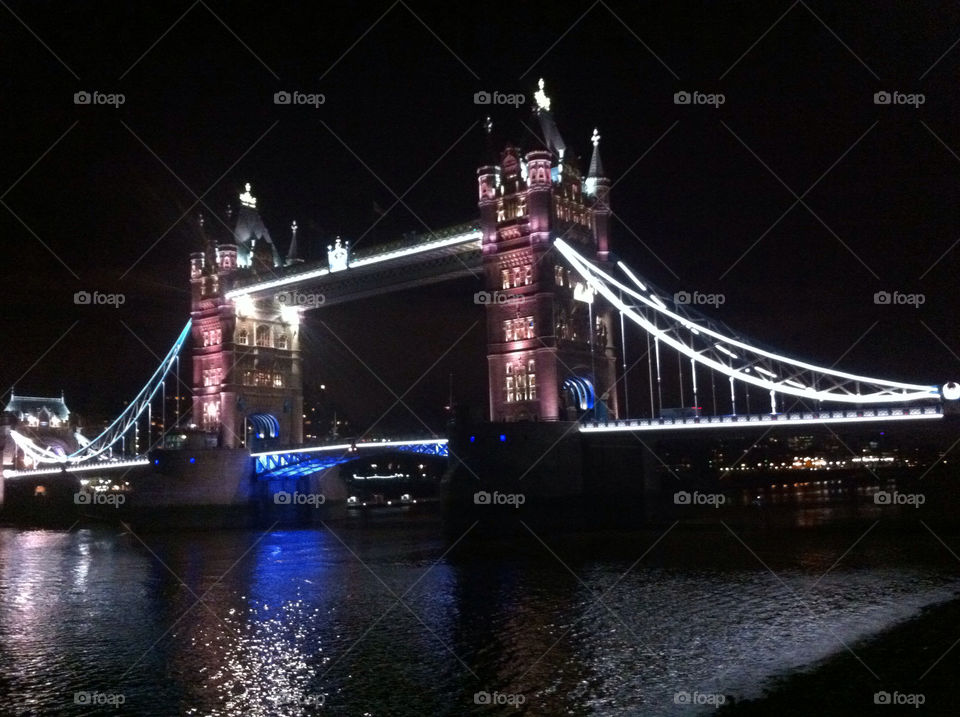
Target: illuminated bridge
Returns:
[[299, 462]]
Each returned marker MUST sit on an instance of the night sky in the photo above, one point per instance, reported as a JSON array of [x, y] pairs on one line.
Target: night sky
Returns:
[[696, 186]]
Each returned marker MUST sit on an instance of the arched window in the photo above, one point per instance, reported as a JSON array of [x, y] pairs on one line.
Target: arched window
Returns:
[[243, 336], [263, 335], [280, 340]]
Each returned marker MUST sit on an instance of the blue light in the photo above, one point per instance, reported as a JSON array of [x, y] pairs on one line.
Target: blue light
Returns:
[[473, 439], [192, 459], [156, 461], [503, 438]]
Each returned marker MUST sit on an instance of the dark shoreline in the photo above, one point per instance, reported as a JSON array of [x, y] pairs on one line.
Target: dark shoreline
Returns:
[[840, 685]]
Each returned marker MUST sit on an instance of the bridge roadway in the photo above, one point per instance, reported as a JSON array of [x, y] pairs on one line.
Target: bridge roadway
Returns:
[[450, 253], [857, 417]]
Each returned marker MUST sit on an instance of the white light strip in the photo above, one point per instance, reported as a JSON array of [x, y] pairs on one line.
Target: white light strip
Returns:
[[587, 272], [587, 268], [795, 384], [347, 446], [764, 371], [625, 269], [756, 422], [724, 349], [103, 465], [366, 261]]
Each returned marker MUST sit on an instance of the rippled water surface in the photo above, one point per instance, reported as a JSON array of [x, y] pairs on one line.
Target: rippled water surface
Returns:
[[395, 615]]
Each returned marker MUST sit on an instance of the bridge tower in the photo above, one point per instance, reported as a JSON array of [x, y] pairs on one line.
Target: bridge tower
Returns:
[[247, 384], [549, 345]]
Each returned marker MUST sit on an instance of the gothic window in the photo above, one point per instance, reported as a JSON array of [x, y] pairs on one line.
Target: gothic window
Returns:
[[558, 275], [280, 340], [243, 336], [263, 335], [505, 279], [521, 381], [278, 380], [518, 329], [527, 275]]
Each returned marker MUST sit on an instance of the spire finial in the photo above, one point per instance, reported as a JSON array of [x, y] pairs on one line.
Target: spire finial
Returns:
[[247, 199], [293, 226], [595, 138], [488, 125], [543, 102]]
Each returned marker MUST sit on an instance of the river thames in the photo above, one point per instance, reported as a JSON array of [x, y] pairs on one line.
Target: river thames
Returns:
[[395, 612]]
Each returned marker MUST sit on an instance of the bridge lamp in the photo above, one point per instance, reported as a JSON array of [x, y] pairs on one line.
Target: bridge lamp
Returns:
[[244, 304], [951, 391], [290, 315]]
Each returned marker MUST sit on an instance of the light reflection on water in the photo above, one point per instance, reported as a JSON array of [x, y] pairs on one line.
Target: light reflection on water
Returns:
[[300, 622]]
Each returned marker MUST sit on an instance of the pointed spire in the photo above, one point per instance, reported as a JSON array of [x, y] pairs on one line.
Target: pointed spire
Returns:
[[551, 135], [596, 166], [247, 199], [292, 257]]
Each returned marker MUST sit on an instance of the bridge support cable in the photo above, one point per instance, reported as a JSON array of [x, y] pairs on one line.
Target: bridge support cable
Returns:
[[117, 430], [719, 349]]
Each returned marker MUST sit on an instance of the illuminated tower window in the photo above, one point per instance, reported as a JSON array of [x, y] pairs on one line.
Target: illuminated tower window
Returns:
[[505, 279], [527, 275], [558, 275], [518, 329], [263, 335], [280, 340], [243, 336], [278, 380], [521, 381]]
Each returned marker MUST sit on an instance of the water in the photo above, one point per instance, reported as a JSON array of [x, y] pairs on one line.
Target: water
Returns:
[[307, 621]]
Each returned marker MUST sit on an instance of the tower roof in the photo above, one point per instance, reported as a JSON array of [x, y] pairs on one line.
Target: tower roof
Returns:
[[596, 166], [551, 135], [23, 405]]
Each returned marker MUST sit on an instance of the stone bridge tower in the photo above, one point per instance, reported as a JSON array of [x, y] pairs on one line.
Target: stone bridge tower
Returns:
[[247, 385], [549, 343]]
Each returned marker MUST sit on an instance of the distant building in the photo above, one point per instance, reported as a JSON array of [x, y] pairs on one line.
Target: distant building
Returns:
[[44, 419]]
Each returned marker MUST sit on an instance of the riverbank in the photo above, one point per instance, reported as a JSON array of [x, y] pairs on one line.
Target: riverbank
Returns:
[[899, 657]]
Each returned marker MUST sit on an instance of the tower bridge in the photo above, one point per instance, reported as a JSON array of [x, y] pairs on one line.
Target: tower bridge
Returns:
[[556, 301]]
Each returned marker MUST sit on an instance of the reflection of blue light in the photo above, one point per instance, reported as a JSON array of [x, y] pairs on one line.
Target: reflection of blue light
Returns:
[[473, 439], [156, 461], [192, 459], [503, 438]]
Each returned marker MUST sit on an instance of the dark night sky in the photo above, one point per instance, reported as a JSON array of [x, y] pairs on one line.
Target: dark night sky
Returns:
[[399, 99]]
